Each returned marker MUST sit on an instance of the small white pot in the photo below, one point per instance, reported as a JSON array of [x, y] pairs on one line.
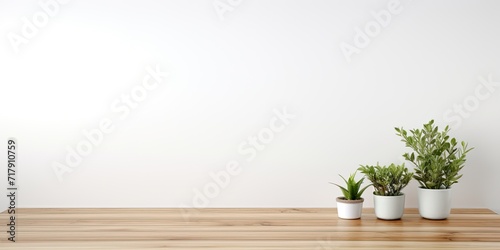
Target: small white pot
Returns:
[[389, 207], [434, 204], [349, 209]]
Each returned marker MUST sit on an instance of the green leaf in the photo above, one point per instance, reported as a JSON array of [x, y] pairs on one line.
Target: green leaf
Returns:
[[435, 155], [352, 190]]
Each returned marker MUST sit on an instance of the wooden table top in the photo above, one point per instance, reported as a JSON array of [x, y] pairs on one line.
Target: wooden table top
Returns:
[[245, 228]]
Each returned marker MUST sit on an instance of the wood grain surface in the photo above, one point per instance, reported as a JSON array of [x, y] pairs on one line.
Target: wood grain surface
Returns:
[[245, 228]]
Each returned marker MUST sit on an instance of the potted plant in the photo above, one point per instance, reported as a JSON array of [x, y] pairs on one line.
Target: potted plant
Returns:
[[351, 204], [388, 181], [438, 159]]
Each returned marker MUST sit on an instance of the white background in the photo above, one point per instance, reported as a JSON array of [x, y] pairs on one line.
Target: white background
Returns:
[[226, 78]]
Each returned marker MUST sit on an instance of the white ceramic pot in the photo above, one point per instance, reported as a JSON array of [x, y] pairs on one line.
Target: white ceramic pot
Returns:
[[434, 204], [389, 207], [349, 209]]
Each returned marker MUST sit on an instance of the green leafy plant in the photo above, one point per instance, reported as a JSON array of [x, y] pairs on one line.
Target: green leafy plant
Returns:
[[353, 190], [438, 158], [387, 180]]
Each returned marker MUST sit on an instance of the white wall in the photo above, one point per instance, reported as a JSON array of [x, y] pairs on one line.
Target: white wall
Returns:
[[227, 79]]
